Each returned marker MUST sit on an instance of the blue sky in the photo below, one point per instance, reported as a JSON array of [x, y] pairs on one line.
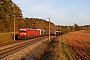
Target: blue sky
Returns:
[[61, 12]]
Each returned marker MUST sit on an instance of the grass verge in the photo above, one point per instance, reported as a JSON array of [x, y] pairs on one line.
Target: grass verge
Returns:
[[7, 37], [65, 48]]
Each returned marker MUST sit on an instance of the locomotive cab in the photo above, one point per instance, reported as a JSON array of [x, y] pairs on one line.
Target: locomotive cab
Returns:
[[22, 33]]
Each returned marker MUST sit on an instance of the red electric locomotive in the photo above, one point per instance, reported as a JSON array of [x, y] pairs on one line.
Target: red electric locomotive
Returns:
[[28, 33]]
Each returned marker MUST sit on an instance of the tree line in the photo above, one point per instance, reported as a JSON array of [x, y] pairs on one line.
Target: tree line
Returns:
[[9, 10], [75, 27]]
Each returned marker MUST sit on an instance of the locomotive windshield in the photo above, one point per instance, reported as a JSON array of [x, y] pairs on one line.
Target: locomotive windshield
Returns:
[[22, 30]]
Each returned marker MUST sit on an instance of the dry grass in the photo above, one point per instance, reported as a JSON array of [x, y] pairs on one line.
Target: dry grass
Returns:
[[5, 37], [64, 48], [53, 51]]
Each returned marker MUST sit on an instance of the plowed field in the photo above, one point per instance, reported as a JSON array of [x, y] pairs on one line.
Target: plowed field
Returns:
[[79, 44]]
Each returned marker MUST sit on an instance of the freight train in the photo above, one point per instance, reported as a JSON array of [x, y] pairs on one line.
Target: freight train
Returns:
[[26, 33]]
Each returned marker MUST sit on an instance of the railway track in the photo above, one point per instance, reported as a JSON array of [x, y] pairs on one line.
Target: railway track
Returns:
[[9, 43], [14, 48]]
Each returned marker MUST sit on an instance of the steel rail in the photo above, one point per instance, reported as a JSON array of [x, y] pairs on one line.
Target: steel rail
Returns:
[[13, 49]]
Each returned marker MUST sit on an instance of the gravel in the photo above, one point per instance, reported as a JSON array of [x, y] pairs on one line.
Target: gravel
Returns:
[[24, 52]]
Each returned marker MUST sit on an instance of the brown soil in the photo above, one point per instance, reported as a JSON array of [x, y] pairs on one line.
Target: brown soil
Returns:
[[79, 44]]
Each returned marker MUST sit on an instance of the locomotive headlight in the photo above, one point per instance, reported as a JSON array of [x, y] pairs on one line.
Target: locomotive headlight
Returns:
[[24, 33]]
